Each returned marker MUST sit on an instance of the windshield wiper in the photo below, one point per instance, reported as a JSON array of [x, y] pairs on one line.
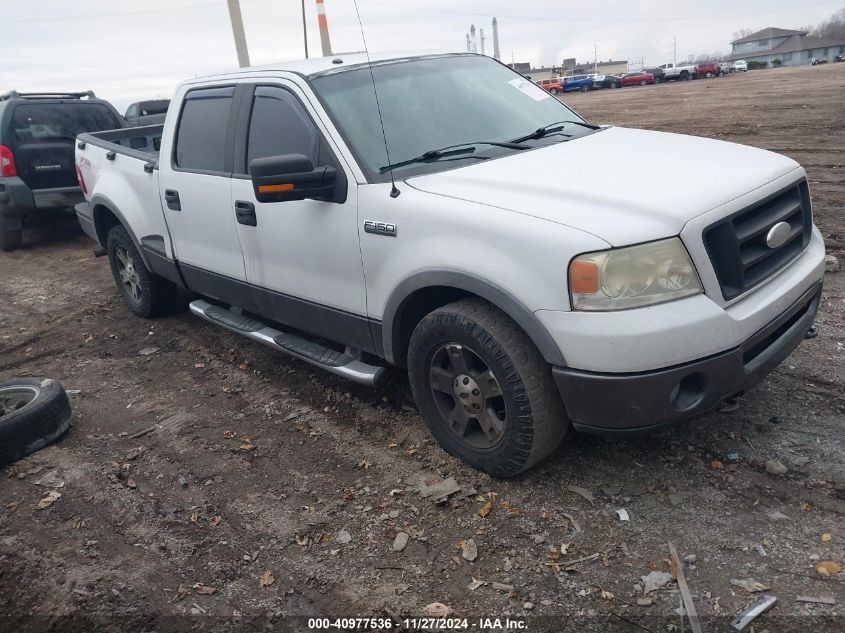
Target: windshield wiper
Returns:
[[449, 150], [552, 127]]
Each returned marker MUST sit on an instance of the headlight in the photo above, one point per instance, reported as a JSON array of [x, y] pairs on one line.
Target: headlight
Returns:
[[632, 277]]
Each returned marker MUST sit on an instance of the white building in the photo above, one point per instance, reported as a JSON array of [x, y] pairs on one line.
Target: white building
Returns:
[[792, 48]]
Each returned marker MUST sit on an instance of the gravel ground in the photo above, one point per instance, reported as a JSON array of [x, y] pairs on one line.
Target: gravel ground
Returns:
[[269, 491]]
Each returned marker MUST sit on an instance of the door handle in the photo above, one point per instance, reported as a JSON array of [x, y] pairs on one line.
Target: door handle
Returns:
[[245, 213], [171, 197]]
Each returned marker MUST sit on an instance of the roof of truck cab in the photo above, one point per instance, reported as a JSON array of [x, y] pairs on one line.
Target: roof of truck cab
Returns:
[[319, 65]]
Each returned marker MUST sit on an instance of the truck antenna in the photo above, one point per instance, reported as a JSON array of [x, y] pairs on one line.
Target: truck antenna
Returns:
[[394, 192]]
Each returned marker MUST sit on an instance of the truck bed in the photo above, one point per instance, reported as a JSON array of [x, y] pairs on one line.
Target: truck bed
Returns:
[[126, 162], [141, 142]]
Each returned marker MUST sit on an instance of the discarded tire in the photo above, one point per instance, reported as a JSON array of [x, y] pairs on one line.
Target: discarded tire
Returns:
[[34, 412]]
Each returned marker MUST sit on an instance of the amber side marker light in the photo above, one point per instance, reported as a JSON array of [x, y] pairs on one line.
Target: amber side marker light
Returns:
[[583, 278], [274, 188]]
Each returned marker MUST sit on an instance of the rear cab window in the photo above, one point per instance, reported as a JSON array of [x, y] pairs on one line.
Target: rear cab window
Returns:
[[201, 138]]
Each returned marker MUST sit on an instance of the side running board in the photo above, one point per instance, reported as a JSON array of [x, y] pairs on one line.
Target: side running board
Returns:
[[296, 346]]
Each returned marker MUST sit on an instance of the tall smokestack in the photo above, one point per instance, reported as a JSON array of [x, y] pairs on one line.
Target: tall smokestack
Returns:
[[469, 46], [472, 38], [481, 37], [324, 28], [496, 53]]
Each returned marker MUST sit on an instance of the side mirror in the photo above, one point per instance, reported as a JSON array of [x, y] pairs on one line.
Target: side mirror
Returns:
[[291, 177]]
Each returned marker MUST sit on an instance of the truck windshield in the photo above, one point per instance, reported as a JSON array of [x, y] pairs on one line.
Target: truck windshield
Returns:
[[434, 102], [47, 122]]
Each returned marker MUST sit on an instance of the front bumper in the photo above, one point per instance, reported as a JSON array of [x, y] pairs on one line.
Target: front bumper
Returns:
[[643, 401]]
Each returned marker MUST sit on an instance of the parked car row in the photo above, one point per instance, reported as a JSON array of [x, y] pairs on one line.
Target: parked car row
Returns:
[[664, 72]]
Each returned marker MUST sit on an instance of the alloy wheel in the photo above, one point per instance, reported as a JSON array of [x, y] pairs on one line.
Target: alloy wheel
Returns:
[[128, 274], [468, 396]]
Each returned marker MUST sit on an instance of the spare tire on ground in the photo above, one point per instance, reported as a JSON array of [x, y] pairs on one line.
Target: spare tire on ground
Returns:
[[34, 412]]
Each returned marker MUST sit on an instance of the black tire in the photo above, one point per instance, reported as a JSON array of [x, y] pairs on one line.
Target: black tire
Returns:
[[34, 412], [585, 88], [685, 76], [146, 294], [534, 422], [11, 240]]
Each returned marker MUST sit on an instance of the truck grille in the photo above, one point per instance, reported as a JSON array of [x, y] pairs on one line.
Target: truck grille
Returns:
[[737, 244]]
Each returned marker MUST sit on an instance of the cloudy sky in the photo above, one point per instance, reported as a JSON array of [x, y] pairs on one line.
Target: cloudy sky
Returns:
[[127, 50]]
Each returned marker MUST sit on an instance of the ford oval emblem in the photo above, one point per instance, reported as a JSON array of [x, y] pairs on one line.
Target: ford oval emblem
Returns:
[[778, 235]]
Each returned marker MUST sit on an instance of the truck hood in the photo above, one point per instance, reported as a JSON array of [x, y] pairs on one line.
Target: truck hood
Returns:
[[622, 185]]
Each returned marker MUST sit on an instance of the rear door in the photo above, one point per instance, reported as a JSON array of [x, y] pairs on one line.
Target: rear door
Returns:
[[196, 188], [43, 137]]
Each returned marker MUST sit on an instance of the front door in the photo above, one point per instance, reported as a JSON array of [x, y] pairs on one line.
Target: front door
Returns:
[[196, 192], [302, 258]]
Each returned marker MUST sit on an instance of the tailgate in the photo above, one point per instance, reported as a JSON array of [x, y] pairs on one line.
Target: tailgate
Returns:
[[46, 165]]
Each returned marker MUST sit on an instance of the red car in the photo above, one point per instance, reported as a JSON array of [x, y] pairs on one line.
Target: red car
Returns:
[[637, 79], [708, 70]]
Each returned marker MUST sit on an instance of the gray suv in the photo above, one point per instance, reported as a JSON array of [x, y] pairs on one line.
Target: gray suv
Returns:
[[37, 137]]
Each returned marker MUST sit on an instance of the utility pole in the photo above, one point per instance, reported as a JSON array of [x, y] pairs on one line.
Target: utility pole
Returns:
[[238, 31], [595, 58], [324, 29], [304, 30], [469, 46], [496, 52], [481, 37], [675, 52]]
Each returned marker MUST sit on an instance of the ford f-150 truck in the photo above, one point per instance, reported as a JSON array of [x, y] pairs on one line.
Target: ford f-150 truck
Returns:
[[460, 226]]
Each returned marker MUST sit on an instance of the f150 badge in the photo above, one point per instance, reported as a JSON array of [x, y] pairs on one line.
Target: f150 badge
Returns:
[[380, 228]]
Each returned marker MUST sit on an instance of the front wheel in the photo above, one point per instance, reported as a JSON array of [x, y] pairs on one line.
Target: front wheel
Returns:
[[643, 82], [145, 293], [553, 91], [483, 388], [584, 88]]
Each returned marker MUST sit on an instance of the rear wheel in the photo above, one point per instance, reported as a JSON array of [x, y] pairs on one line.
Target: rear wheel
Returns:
[[11, 239], [584, 88], [708, 75], [483, 388], [553, 91], [643, 82], [145, 293], [684, 76]]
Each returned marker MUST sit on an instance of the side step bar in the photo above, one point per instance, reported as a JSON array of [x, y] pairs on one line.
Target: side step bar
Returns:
[[296, 346]]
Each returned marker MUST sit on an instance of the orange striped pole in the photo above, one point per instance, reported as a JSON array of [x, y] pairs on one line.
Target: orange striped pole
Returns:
[[324, 28]]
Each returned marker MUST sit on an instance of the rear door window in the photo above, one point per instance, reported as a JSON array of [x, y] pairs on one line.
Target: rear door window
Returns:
[[50, 122], [280, 125], [201, 140]]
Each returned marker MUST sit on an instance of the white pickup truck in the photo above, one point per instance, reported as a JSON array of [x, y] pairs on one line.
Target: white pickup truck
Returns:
[[485, 238], [682, 72]]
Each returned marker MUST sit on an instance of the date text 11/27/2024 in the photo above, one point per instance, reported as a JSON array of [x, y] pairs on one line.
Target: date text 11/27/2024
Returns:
[[424, 623]]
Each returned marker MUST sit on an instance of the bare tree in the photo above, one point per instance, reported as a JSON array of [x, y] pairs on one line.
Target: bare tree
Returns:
[[833, 27], [738, 35]]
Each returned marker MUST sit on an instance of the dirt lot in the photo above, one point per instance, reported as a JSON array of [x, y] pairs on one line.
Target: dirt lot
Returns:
[[258, 463]]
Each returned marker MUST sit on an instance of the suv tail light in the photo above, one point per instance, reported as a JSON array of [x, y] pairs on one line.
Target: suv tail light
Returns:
[[7, 162], [81, 180]]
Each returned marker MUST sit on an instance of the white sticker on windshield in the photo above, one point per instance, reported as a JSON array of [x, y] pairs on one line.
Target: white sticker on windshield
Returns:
[[532, 90]]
